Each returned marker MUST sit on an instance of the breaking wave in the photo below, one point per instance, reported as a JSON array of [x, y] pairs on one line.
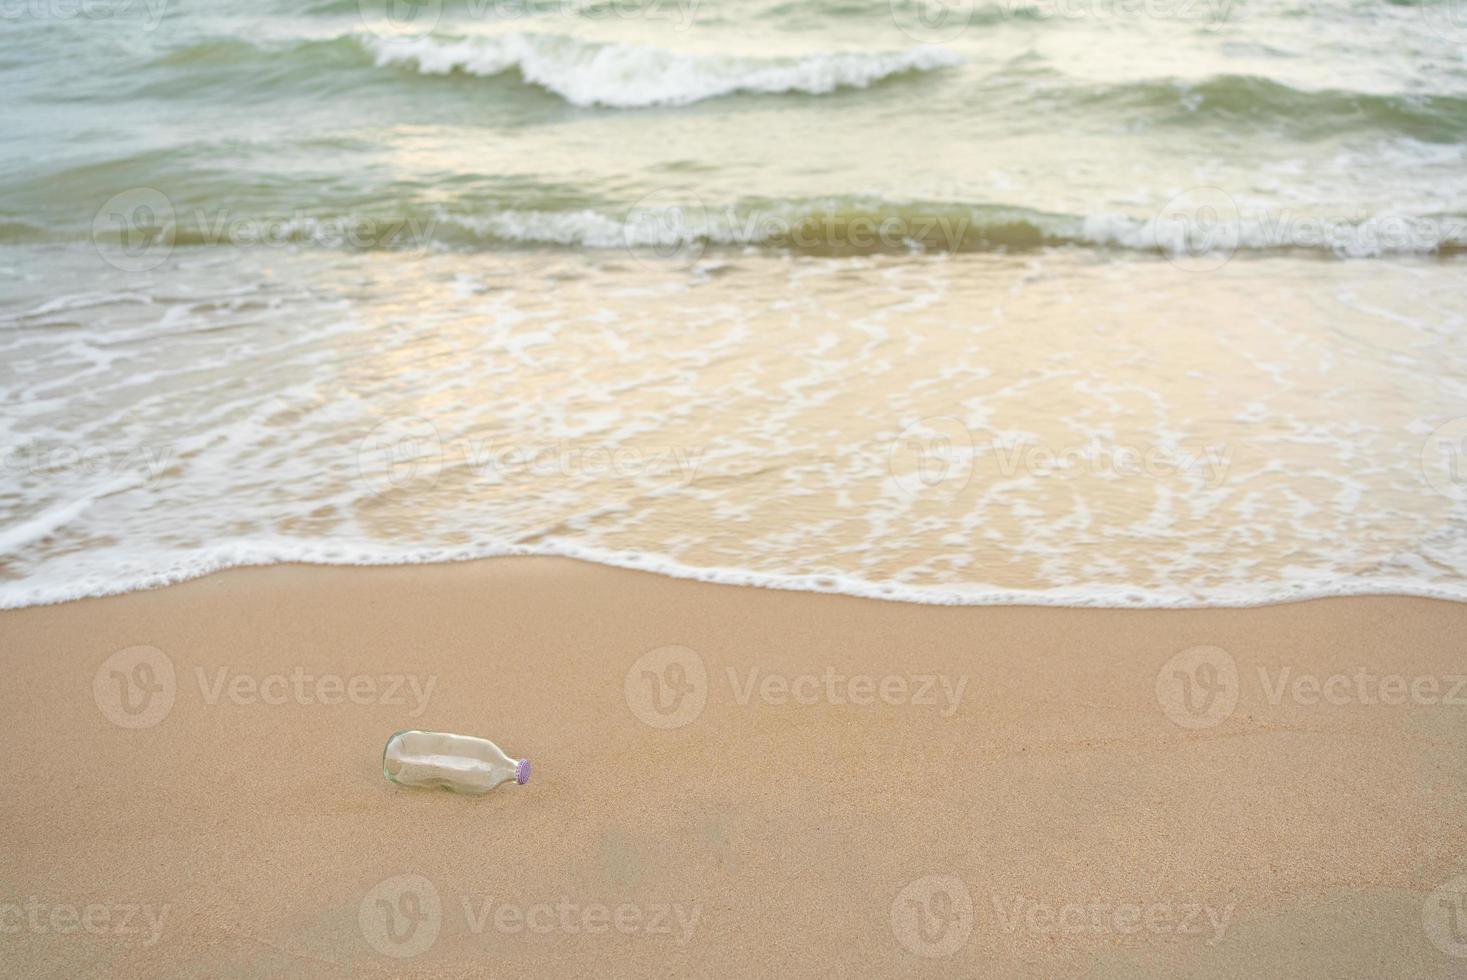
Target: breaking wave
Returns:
[[622, 76]]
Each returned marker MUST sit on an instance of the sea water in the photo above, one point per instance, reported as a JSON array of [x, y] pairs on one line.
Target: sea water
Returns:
[[1082, 303]]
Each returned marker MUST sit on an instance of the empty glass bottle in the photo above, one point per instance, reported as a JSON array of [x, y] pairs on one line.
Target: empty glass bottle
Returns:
[[461, 763]]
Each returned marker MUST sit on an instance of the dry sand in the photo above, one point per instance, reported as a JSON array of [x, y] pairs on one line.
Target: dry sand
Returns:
[[1042, 806]]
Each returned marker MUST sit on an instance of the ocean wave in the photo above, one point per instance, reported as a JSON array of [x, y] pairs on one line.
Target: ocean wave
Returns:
[[587, 73], [1250, 100], [157, 571], [783, 12], [1196, 223], [1139, 474]]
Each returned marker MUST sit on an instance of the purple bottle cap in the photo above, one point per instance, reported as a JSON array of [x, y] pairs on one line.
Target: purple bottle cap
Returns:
[[522, 772]]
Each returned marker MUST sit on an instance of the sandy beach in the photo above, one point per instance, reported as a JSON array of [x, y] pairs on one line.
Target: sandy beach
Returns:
[[882, 488], [727, 782]]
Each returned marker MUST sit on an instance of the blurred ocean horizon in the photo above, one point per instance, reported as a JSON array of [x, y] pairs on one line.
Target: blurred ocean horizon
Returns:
[[829, 126]]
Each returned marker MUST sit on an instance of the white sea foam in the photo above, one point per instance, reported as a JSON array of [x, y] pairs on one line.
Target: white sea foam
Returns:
[[925, 429], [668, 222], [37, 528], [150, 571], [623, 76]]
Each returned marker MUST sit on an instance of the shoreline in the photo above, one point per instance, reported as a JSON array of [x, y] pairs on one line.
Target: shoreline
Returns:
[[1033, 790], [871, 474], [832, 585]]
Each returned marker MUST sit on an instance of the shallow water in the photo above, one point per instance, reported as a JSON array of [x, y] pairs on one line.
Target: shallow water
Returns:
[[1171, 124], [1066, 427], [1117, 304]]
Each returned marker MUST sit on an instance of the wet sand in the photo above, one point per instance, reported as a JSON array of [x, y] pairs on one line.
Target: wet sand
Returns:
[[727, 782]]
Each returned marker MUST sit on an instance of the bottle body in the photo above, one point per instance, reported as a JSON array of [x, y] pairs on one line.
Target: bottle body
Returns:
[[462, 763]]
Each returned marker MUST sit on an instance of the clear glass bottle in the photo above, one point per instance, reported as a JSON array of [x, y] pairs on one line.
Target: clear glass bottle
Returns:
[[461, 763]]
